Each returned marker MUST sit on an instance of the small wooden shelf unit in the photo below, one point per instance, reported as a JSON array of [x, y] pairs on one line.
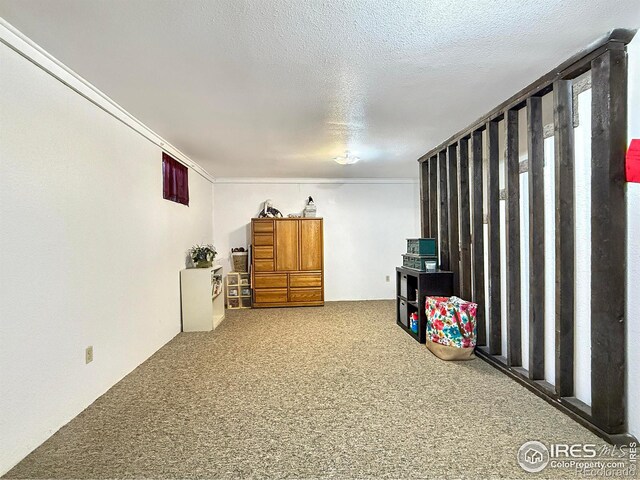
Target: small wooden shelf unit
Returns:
[[238, 290], [412, 289], [287, 262]]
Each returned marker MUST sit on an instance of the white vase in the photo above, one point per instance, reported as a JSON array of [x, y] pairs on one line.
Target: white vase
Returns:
[[309, 211]]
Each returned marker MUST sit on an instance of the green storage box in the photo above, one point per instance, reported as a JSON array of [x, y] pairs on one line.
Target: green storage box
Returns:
[[422, 246], [420, 262]]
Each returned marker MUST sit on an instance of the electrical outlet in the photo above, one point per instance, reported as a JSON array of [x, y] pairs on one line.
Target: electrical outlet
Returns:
[[88, 354], [388, 278]]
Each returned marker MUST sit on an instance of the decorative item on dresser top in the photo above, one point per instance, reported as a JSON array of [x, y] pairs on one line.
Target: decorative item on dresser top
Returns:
[[202, 304], [269, 211], [238, 290], [309, 209], [287, 262]]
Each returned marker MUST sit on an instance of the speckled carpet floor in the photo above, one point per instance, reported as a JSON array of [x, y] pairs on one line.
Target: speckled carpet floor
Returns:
[[338, 391]]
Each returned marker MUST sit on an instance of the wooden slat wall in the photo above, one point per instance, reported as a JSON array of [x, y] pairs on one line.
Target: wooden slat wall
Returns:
[[445, 175], [444, 211], [465, 218], [478, 234], [535, 142], [512, 238], [565, 233], [424, 200], [454, 240], [433, 199], [608, 230]]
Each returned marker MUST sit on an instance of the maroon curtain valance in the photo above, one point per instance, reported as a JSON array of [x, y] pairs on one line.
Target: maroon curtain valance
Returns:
[[175, 180]]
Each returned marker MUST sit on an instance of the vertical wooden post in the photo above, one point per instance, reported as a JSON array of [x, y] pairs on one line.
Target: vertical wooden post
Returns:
[[565, 236], [535, 147], [444, 211], [608, 230], [512, 238], [454, 240], [424, 199], [465, 218], [478, 234], [433, 196], [493, 245]]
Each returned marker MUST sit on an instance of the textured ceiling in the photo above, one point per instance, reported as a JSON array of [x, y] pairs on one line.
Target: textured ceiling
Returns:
[[277, 88]]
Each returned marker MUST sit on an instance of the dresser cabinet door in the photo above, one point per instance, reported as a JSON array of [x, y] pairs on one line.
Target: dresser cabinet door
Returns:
[[286, 245], [311, 244]]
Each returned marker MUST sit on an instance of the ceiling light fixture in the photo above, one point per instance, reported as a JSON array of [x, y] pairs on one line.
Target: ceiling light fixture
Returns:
[[348, 159]]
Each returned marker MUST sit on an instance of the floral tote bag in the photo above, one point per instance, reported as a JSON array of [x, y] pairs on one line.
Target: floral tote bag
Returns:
[[451, 327]]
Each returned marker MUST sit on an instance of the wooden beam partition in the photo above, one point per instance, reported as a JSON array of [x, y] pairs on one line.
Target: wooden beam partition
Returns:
[[443, 234], [535, 148], [608, 230], [465, 218], [477, 237], [493, 245], [454, 239], [565, 236], [606, 416], [433, 196], [512, 240], [425, 216]]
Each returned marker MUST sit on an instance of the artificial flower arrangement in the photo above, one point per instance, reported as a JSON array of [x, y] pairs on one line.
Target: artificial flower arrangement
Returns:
[[202, 255]]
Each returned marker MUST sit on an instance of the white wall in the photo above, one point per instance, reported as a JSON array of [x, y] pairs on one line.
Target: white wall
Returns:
[[582, 196], [633, 250], [90, 253], [365, 227], [549, 262]]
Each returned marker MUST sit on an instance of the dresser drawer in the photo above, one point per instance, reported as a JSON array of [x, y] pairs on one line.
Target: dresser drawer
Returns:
[[270, 281], [262, 239], [270, 295], [305, 280], [263, 226], [305, 294], [263, 265], [263, 252]]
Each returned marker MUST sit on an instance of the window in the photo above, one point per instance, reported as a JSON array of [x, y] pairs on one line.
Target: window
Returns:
[[175, 180]]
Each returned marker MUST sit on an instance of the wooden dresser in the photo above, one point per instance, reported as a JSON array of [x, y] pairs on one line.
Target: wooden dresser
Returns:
[[287, 262]]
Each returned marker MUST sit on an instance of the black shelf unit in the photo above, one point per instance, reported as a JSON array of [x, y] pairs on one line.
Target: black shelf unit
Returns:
[[412, 289]]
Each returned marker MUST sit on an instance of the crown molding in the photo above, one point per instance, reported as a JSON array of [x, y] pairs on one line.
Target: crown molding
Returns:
[[24, 46], [337, 181]]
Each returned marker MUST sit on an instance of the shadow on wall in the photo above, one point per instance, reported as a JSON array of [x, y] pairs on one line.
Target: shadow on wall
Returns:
[[239, 237]]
